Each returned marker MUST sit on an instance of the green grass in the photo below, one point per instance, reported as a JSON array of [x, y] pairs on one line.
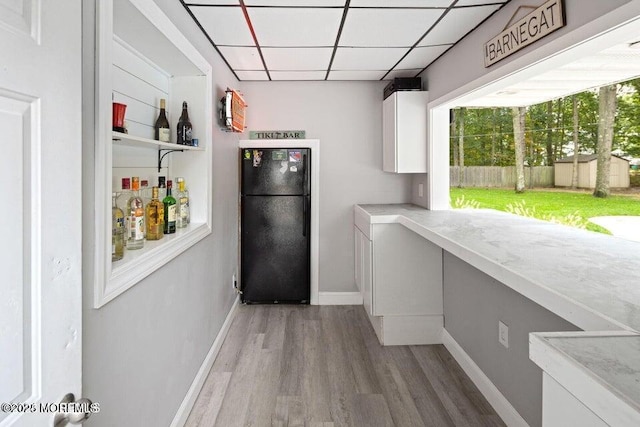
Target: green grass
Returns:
[[563, 206]]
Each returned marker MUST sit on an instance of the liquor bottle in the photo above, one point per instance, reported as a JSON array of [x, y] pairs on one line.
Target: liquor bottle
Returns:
[[135, 217], [182, 197], [162, 187], [169, 211], [184, 127], [145, 191], [117, 230], [163, 133], [124, 195], [154, 217]]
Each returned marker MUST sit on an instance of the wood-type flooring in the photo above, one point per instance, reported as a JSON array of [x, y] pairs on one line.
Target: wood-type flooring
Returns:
[[322, 366]]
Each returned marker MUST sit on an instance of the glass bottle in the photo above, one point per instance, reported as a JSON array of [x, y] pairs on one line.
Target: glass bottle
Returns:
[[124, 195], [154, 217], [162, 187], [117, 230], [169, 211], [163, 133], [184, 127], [135, 217], [182, 198]]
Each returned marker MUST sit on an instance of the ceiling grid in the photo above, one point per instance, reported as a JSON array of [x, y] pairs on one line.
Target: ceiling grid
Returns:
[[335, 39]]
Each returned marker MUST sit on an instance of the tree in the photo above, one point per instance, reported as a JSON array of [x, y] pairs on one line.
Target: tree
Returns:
[[550, 151], [518, 114], [576, 142], [606, 122]]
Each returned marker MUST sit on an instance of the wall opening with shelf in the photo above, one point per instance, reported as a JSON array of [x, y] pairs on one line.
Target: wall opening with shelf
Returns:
[[142, 58]]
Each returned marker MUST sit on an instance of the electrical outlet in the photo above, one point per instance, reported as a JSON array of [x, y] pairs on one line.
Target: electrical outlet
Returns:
[[503, 334], [234, 281], [421, 190]]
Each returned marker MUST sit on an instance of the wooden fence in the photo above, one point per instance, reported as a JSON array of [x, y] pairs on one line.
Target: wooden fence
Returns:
[[499, 176]]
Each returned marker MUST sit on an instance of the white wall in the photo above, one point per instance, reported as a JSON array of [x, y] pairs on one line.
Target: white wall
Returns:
[[347, 119], [142, 350]]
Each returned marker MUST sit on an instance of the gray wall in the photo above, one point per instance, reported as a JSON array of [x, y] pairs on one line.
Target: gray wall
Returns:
[[347, 119], [142, 350], [473, 305]]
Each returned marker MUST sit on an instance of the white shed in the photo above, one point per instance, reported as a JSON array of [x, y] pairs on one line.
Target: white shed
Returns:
[[587, 166]]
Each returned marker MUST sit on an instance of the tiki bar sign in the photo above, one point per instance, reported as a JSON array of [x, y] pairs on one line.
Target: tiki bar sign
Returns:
[[539, 23]]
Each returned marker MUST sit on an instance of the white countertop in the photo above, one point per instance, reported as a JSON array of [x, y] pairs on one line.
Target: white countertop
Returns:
[[602, 370], [591, 280]]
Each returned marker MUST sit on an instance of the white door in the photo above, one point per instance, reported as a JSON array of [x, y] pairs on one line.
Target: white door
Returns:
[[40, 172]]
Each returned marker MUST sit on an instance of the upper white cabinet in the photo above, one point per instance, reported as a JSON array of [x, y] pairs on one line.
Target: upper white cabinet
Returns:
[[404, 132], [142, 57]]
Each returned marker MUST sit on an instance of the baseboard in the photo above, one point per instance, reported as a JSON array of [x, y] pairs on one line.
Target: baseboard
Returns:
[[190, 399], [340, 298], [411, 330], [505, 410]]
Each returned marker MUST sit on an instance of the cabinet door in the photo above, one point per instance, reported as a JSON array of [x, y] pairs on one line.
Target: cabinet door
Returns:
[[389, 134], [407, 273], [367, 274], [411, 132]]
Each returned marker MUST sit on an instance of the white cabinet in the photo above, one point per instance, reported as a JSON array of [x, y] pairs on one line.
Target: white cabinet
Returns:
[[141, 57], [399, 274], [404, 132]]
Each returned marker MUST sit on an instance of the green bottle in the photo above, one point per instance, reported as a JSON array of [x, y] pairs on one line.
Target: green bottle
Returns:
[[170, 211]]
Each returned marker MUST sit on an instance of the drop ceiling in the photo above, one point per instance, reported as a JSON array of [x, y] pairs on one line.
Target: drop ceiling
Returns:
[[335, 39]]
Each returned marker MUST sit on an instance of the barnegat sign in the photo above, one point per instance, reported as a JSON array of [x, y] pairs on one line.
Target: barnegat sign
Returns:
[[541, 22]]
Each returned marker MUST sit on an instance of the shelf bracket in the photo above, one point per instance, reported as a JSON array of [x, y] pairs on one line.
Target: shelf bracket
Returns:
[[162, 156]]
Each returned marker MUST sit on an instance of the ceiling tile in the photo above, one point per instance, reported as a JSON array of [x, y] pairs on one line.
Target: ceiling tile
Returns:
[[420, 57], [213, 2], [252, 75], [297, 75], [293, 2], [387, 27], [403, 73], [276, 27], [293, 58], [242, 58], [457, 23], [367, 58], [225, 25], [356, 75], [400, 3]]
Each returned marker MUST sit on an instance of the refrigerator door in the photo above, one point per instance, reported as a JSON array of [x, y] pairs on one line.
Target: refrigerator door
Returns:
[[275, 250], [275, 171]]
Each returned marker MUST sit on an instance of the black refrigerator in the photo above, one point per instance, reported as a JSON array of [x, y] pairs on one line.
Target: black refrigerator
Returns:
[[275, 250]]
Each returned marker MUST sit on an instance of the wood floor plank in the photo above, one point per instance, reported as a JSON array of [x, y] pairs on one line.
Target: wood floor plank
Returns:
[[370, 410], [316, 394], [339, 371], [235, 340], [236, 402], [274, 333], [263, 399], [301, 366], [463, 410], [292, 358], [428, 404], [363, 370], [394, 389], [207, 406]]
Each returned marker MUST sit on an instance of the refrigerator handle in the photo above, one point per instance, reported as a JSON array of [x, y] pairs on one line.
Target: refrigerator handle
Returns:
[[304, 216], [305, 177]]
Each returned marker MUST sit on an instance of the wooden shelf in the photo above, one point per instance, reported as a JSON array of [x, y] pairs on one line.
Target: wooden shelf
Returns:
[[136, 141]]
